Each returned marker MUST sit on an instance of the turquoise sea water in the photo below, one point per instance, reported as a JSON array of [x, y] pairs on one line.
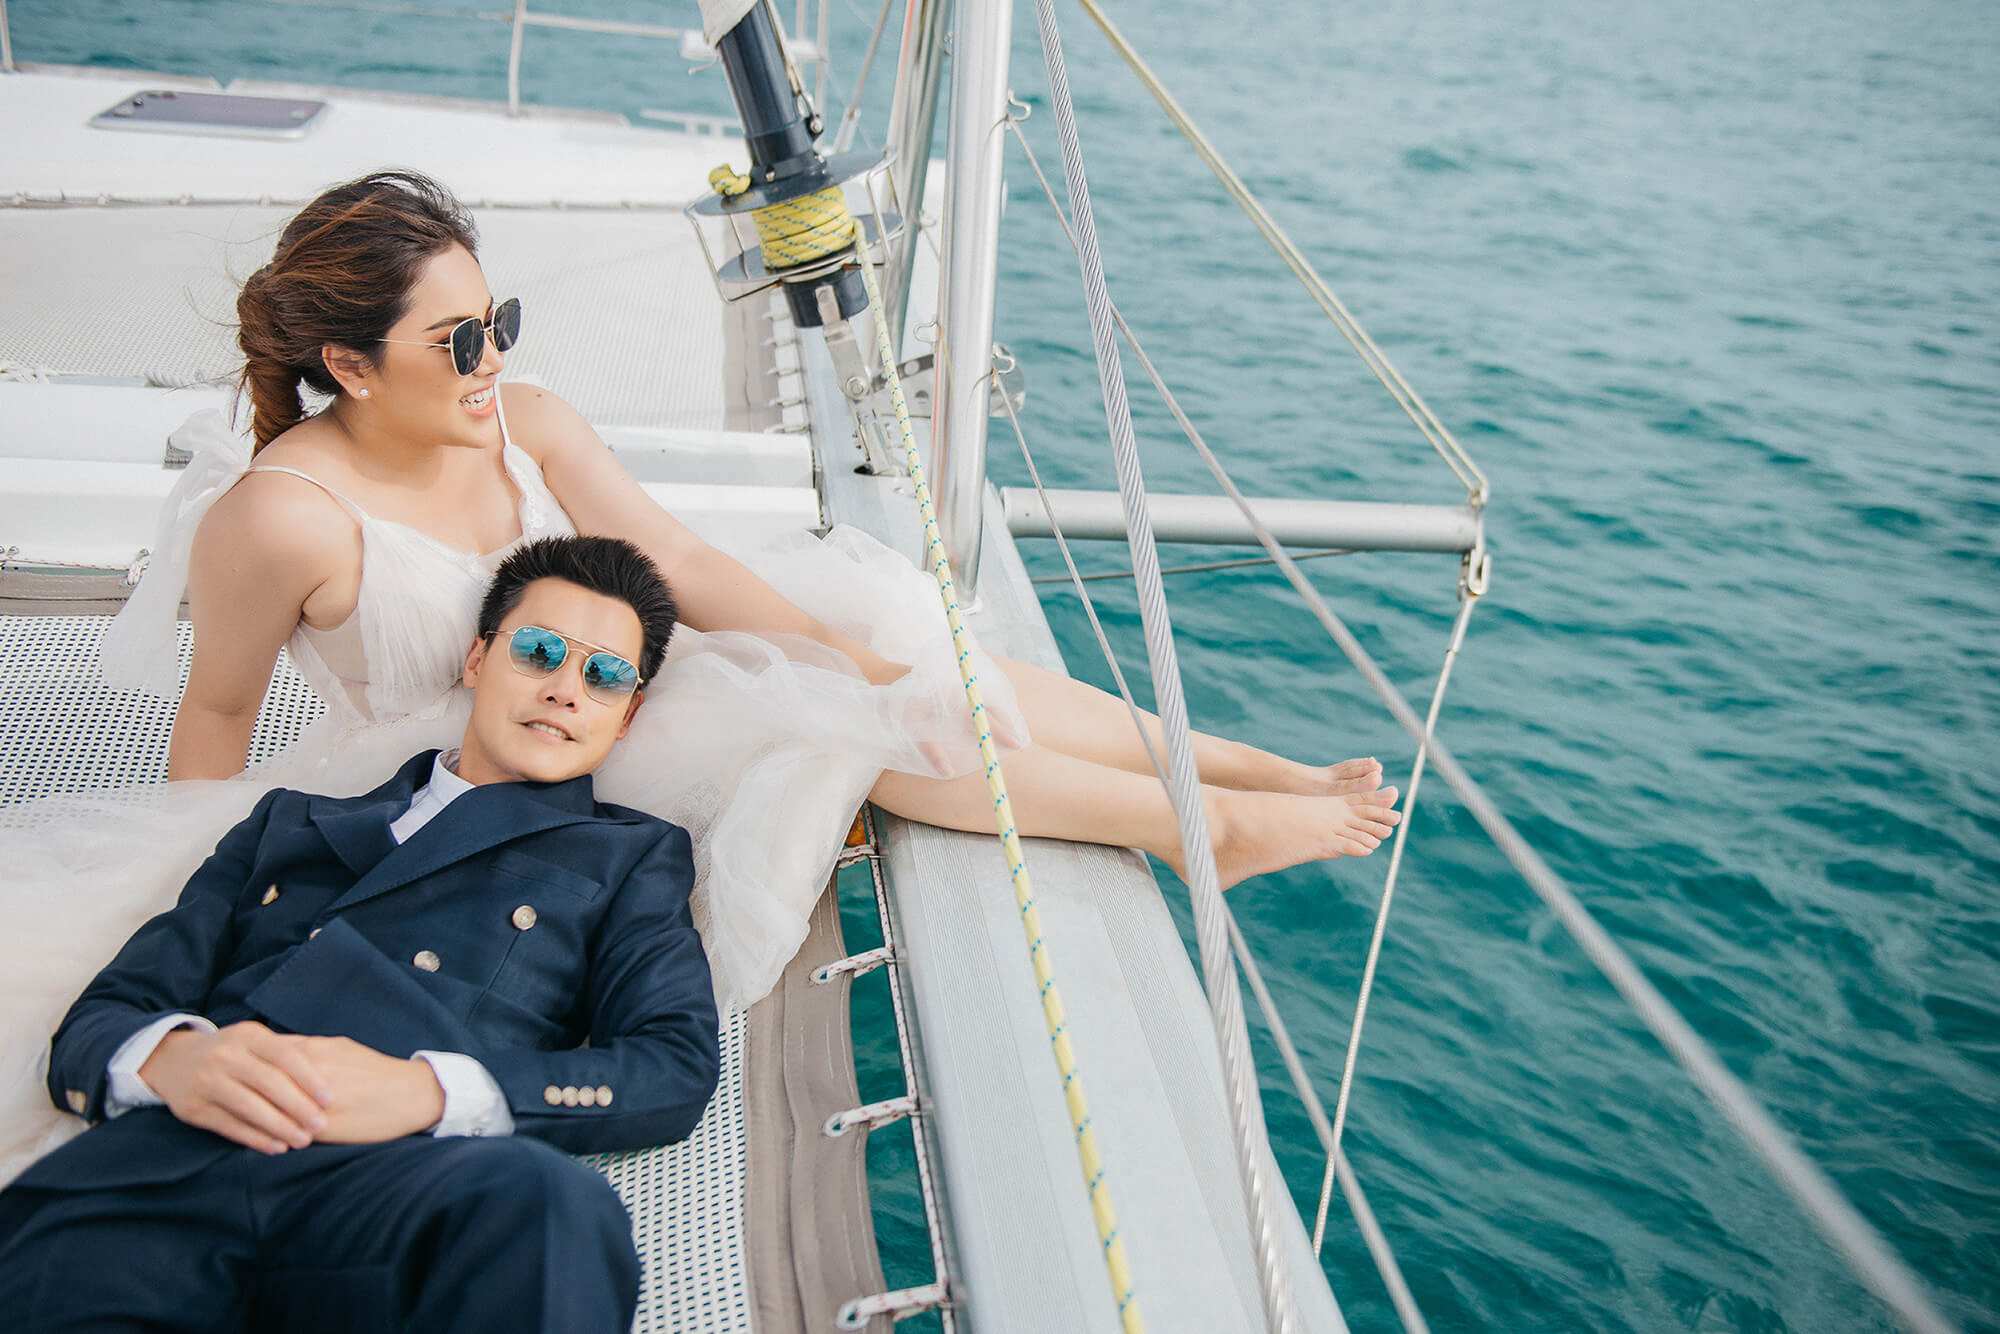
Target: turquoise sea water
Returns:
[[1713, 294]]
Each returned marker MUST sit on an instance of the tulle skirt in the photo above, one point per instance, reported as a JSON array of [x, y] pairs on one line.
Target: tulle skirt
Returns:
[[763, 749]]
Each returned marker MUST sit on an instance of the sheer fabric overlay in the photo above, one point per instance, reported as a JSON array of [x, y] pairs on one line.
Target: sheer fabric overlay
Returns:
[[762, 748]]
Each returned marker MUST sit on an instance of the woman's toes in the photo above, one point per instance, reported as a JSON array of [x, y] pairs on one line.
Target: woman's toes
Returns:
[[1383, 797], [1351, 776]]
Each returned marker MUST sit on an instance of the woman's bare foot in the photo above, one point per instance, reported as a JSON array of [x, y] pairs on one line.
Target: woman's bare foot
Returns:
[[1347, 778], [1258, 832]]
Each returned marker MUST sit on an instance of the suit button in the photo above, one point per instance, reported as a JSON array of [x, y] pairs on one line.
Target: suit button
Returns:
[[78, 1100], [524, 916], [270, 896], [315, 931], [571, 1095], [586, 1096], [426, 960], [604, 1095], [552, 1096]]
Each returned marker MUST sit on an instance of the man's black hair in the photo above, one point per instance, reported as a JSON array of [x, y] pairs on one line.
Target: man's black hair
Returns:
[[608, 566]]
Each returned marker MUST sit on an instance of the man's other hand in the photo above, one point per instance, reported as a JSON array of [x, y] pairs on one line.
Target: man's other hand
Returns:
[[244, 1082], [375, 1097]]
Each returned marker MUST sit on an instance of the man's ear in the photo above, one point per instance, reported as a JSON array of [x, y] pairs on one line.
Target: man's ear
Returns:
[[475, 658], [346, 366], [631, 712]]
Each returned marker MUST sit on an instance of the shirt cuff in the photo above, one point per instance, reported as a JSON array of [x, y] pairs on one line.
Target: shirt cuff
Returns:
[[473, 1102], [127, 1091]]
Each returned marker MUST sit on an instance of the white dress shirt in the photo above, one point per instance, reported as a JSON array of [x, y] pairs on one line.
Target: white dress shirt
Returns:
[[473, 1102]]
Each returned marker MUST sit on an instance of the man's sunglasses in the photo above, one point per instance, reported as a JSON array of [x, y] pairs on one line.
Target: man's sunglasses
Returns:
[[467, 339], [607, 678]]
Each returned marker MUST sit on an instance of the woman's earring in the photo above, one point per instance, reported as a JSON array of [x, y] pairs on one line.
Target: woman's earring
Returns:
[[361, 393]]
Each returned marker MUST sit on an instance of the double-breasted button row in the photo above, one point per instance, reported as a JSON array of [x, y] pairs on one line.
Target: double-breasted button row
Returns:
[[572, 1095], [523, 919], [270, 896]]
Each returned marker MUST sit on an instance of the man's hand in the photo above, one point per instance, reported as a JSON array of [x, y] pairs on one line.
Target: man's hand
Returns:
[[244, 1082], [375, 1097]]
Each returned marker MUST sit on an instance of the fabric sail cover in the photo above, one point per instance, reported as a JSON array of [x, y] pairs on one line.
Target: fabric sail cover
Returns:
[[719, 16]]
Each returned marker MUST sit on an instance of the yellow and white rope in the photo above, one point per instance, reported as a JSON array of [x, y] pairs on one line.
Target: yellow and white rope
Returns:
[[1017, 863], [798, 232]]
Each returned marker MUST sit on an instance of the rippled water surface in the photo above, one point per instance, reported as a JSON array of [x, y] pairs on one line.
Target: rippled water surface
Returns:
[[1710, 292]]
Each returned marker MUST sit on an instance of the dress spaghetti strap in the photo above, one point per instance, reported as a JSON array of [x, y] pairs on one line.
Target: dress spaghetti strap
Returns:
[[359, 514]]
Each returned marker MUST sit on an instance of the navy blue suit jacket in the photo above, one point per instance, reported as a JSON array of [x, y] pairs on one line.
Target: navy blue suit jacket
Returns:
[[310, 918]]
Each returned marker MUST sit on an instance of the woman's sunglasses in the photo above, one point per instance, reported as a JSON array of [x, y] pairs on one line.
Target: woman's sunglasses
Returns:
[[607, 678], [467, 339]]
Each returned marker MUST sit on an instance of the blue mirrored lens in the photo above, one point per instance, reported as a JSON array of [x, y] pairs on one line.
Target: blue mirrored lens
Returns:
[[608, 674], [536, 651]]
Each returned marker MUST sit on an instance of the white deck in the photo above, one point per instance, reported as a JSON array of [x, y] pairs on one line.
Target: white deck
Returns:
[[538, 159], [88, 293], [81, 475], [116, 301]]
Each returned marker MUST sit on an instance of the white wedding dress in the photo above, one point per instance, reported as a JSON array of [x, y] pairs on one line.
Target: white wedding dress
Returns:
[[763, 749]]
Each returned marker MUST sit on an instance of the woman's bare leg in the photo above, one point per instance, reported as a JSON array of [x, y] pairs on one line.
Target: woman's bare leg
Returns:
[[1055, 795], [1079, 719]]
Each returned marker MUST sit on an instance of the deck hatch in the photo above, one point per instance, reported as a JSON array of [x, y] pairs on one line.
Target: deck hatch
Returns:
[[231, 115]]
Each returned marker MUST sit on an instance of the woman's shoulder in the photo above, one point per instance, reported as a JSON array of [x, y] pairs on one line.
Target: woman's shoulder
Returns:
[[279, 515], [542, 424]]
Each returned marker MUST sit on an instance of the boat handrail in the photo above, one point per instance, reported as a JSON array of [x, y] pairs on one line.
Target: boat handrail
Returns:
[[935, 1295], [520, 18]]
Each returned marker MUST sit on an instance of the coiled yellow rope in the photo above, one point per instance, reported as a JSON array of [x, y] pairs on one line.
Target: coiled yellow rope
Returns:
[[812, 228], [797, 231]]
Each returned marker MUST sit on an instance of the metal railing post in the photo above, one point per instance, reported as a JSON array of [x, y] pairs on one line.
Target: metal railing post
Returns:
[[975, 148], [514, 57], [912, 120]]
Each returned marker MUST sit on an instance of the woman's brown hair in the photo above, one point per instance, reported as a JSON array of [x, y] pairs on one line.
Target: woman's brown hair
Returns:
[[342, 274]]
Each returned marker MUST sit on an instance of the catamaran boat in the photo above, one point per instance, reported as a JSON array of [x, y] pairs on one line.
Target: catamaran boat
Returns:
[[805, 342]]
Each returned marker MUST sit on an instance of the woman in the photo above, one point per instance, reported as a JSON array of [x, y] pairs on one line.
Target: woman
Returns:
[[352, 536], [361, 302], [361, 536]]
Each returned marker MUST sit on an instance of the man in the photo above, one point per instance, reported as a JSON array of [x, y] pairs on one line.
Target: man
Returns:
[[333, 1086]]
